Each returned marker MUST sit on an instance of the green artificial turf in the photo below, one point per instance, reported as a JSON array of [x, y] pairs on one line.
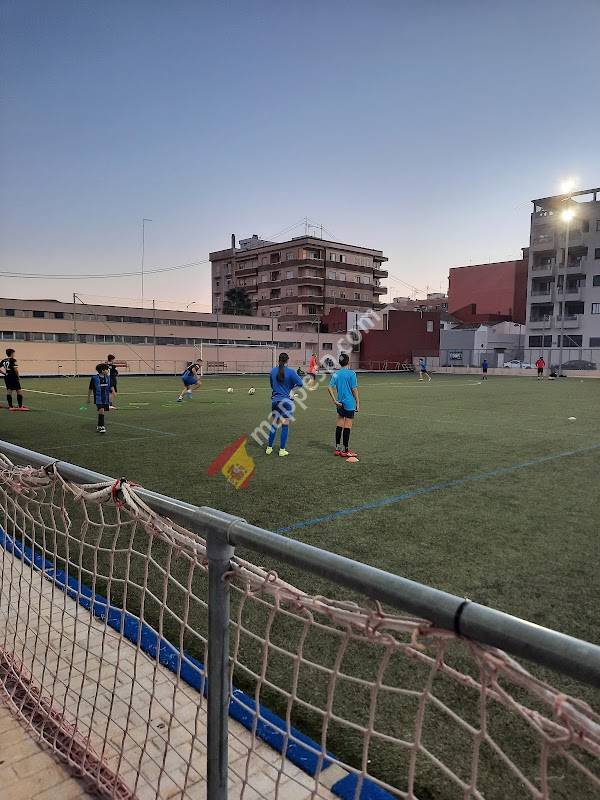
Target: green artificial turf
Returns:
[[510, 517]]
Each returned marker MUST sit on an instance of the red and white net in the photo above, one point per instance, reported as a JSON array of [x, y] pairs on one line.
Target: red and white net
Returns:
[[103, 626]]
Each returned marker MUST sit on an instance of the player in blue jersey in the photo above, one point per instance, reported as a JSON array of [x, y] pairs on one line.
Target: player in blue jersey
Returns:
[[283, 381], [423, 370], [343, 390], [100, 389], [191, 380]]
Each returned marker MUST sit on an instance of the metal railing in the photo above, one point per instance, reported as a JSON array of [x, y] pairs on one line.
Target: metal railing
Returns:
[[224, 532]]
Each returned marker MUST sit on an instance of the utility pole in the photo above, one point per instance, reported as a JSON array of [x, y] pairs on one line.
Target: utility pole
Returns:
[[567, 216], [75, 333], [154, 334], [144, 221]]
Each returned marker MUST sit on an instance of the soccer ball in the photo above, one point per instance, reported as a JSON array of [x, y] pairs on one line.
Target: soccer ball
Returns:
[[230, 390], [252, 390]]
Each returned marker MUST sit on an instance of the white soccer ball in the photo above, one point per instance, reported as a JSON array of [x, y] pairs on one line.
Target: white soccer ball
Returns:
[[230, 390], [572, 419], [252, 390]]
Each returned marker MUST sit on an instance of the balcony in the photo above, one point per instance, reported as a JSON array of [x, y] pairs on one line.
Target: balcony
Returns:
[[379, 290], [544, 269], [571, 321], [576, 293], [540, 324], [542, 295], [542, 241]]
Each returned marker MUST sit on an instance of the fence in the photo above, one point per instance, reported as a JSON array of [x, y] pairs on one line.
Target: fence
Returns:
[[130, 630], [573, 358]]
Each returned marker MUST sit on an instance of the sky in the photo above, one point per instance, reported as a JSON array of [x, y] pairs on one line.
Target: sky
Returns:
[[422, 129]]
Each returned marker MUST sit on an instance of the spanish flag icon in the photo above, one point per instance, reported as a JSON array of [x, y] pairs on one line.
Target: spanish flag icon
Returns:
[[234, 463]]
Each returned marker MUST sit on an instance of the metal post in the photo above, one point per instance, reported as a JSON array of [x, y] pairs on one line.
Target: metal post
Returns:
[[219, 553], [75, 333], [564, 299], [154, 334]]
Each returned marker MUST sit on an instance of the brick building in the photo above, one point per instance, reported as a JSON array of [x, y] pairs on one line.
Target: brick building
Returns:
[[300, 280], [496, 291], [404, 337]]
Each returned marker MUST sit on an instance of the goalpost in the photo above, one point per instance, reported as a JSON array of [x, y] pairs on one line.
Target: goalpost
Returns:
[[262, 365]]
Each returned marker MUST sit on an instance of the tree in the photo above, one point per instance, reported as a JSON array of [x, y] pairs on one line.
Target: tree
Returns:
[[237, 302]]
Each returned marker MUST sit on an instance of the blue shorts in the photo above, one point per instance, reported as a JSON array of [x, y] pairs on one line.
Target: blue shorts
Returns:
[[345, 412], [190, 380], [282, 409]]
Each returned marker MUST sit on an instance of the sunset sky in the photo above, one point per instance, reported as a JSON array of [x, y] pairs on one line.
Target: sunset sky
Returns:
[[423, 129]]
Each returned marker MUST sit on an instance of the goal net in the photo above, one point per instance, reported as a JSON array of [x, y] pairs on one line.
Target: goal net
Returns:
[[103, 642]]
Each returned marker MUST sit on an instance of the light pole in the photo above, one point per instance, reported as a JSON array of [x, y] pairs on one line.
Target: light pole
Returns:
[[144, 221], [193, 303], [567, 215]]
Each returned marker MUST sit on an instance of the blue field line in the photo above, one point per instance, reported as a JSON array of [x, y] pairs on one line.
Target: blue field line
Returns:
[[270, 728], [436, 487]]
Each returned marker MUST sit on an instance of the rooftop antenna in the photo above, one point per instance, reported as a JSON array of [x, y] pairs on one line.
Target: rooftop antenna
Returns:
[[306, 226]]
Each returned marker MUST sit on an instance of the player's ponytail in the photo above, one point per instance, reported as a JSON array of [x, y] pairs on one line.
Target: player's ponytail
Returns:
[[283, 359]]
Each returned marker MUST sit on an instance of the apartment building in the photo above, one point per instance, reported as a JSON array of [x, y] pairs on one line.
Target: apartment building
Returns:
[[557, 301], [55, 338], [300, 280]]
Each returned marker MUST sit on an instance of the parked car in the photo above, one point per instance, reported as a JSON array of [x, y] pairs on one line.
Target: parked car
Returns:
[[579, 363], [516, 364]]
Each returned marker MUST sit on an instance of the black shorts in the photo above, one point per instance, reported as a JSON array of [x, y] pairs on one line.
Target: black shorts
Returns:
[[102, 406], [345, 412], [113, 385], [484, 370], [540, 370], [12, 384]]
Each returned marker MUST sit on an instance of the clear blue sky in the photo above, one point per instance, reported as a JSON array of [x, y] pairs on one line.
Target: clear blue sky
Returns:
[[421, 128]]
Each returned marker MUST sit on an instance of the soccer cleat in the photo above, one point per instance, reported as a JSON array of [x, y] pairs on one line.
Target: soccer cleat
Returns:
[[23, 408], [343, 454], [180, 399], [339, 451], [269, 450], [102, 429], [350, 454], [188, 395], [283, 453]]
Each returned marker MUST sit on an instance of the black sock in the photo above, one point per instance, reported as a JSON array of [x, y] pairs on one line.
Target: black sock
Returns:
[[346, 438], [338, 436], [20, 400], [100, 420], [9, 399]]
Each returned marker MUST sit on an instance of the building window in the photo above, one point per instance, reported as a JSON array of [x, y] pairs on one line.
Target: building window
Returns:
[[535, 341], [343, 259], [594, 341], [342, 276], [289, 256], [357, 278], [597, 252], [39, 314], [290, 292], [597, 225], [357, 295], [289, 274], [332, 275], [571, 341], [343, 294], [327, 346], [596, 280], [10, 312], [595, 308], [59, 315], [429, 326]]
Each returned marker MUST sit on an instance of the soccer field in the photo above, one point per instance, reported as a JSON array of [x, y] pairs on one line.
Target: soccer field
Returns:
[[483, 489]]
